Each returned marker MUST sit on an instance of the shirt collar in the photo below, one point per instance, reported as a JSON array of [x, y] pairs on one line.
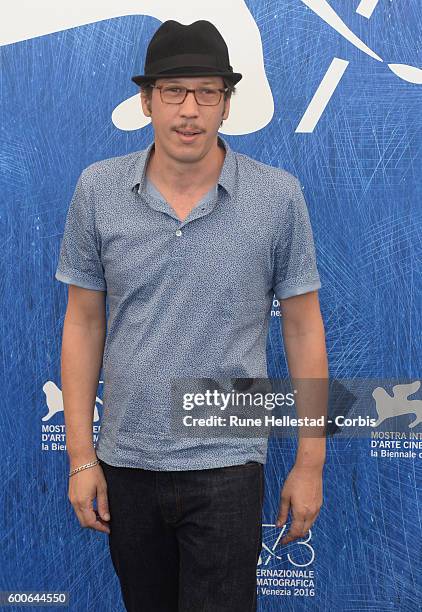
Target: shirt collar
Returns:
[[226, 178]]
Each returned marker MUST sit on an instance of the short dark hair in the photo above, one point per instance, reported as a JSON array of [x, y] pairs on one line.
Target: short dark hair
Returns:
[[147, 89]]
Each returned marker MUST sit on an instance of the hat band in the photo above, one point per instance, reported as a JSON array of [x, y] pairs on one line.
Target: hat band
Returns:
[[185, 60]]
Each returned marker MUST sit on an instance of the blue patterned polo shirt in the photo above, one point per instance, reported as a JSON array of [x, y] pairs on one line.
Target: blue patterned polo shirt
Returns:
[[187, 298]]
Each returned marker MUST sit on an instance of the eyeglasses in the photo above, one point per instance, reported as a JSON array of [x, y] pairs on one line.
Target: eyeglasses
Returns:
[[204, 96]]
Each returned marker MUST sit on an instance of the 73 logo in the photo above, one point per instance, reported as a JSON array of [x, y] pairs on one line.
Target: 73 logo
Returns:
[[271, 536]]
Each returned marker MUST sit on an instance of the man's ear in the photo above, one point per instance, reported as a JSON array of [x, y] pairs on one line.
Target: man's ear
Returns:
[[146, 104], [226, 109]]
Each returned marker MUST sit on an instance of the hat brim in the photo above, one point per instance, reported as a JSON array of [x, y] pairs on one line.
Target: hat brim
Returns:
[[233, 77]]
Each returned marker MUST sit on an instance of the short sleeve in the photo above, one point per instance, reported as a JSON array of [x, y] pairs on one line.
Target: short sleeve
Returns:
[[295, 269], [79, 260]]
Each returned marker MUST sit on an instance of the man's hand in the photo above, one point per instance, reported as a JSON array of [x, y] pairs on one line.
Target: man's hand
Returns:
[[84, 487], [302, 492]]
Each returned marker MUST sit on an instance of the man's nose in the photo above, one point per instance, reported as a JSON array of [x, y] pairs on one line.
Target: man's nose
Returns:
[[189, 107]]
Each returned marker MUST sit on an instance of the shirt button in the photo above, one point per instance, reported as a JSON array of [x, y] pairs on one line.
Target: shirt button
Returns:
[[178, 232]]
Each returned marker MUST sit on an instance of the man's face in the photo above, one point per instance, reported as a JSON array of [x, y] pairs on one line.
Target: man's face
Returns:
[[169, 120]]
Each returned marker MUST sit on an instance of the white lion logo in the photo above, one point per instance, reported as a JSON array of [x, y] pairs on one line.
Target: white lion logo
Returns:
[[54, 401], [387, 406]]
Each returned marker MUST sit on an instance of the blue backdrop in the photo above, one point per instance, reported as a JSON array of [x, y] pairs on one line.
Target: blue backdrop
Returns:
[[361, 172]]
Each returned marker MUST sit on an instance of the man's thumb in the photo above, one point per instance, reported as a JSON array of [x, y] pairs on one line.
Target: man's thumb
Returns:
[[102, 504], [283, 512]]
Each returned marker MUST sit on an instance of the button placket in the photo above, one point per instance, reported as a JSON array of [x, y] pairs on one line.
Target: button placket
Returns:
[[179, 236]]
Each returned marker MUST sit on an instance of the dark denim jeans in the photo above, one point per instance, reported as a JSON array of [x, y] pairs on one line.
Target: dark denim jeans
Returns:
[[186, 541]]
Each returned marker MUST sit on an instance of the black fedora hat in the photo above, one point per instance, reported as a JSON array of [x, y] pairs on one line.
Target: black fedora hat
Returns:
[[181, 50]]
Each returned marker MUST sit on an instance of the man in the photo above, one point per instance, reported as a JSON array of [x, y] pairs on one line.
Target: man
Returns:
[[189, 240]]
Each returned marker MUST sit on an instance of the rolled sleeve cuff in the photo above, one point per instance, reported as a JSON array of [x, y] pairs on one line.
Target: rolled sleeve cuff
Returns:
[[285, 289], [81, 280]]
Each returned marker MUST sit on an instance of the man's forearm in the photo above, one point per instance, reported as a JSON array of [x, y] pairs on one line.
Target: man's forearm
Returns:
[[307, 359], [81, 359]]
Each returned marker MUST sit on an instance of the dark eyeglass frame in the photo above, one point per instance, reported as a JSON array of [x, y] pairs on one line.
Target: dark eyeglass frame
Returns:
[[160, 87]]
